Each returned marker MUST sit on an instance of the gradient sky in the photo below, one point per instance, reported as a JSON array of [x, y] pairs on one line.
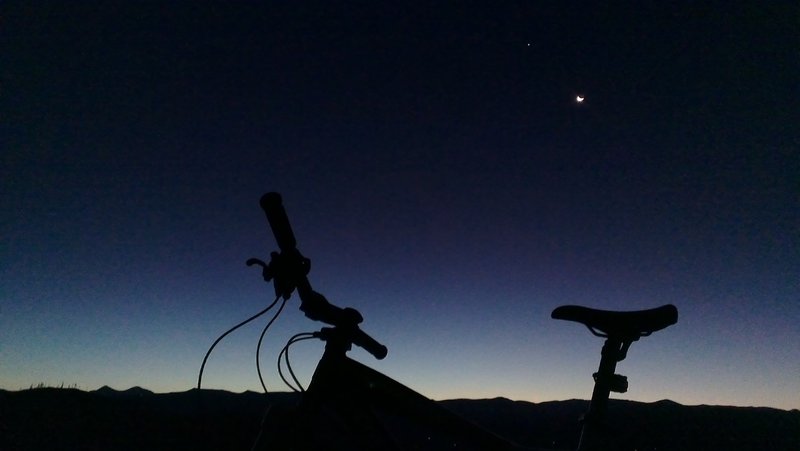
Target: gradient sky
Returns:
[[437, 171]]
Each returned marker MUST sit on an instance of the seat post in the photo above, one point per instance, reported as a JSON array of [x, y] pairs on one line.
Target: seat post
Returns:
[[605, 381], [620, 329]]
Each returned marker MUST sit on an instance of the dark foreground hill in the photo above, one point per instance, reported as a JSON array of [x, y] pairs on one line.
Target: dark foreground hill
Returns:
[[106, 419]]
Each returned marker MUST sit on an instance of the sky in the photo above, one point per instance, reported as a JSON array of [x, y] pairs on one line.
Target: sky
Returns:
[[438, 172]]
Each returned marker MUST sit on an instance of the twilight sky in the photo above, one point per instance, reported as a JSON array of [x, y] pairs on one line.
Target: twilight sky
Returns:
[[438, 172]]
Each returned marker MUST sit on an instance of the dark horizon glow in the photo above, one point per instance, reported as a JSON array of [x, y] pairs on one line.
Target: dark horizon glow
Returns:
[[438, 172]]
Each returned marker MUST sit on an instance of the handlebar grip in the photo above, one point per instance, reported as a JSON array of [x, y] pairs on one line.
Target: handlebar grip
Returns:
[[272, 205], [370, 345]]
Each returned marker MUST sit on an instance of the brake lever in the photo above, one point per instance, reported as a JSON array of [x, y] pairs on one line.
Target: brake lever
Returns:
[[287, 271], [266, 274], [256, 261]]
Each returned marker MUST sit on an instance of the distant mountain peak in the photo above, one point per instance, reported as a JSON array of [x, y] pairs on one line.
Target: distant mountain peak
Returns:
[[105, 389], [666, 402], [136, 391]]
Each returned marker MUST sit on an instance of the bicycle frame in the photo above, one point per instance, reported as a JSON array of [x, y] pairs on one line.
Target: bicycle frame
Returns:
[[351, 406]]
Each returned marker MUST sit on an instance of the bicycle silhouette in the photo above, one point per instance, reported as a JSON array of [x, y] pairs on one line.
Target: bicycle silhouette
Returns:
[[350, 406]]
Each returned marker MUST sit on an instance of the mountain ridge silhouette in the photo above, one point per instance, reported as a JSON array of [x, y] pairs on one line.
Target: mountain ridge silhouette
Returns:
[[137, 418]]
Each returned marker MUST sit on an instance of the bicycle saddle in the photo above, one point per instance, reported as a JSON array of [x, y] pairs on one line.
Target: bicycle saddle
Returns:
[[627, 325]]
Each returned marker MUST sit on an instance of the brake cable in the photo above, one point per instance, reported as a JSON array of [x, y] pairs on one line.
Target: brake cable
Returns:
[[202, 366], [261, 338]]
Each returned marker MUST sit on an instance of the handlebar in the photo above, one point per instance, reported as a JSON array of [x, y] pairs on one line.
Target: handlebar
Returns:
[[272, 205], [367, 343], [289, 269]]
